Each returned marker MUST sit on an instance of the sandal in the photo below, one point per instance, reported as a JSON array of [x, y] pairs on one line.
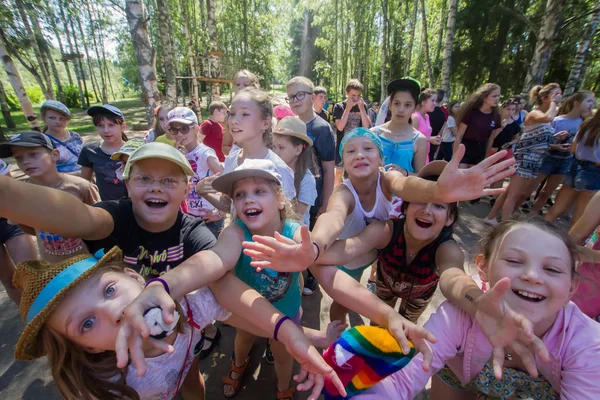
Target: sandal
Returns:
[[286, 394], [213, 342], [235, 383]]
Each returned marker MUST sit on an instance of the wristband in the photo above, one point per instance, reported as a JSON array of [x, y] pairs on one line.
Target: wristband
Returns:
[[164, 283], [405, 170], [318, 251], [278, 325]]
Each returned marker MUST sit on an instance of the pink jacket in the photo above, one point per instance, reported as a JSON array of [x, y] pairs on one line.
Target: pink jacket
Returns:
[[573, 343]]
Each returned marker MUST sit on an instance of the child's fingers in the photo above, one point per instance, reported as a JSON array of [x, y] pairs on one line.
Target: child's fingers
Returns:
[[256, 255], [456, 157], [282, 239], [423, 347], [301, 376], [137, 354], [121, 347], [402, 340], [162, 346], [305, 234], [259, 248], [526, 357], [335, 379], [498, 361], [496, 292], [493, 192], [260, 265], [491, 160], [418, 332], [318, 384], [499, 167]]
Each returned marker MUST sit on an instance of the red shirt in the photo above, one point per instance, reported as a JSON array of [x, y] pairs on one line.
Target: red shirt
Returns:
[[214, 137]]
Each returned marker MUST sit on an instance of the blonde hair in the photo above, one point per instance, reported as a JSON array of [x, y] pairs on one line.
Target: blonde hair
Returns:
[[475, 101], [287, 213], [300, 80], [252, 78], [590, 130], [538, 92], [569, 104], [263, 101]]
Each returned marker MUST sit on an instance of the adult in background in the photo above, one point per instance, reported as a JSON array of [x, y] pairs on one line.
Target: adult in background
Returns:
[[437, 119]]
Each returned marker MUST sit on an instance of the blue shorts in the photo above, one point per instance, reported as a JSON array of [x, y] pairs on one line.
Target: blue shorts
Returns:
[[583, 175], [8, 231], [356, 274], [555, 165]]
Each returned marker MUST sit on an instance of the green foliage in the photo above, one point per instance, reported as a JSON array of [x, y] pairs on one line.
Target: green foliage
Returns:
[[13, 101], [71, 96], [35, 94]]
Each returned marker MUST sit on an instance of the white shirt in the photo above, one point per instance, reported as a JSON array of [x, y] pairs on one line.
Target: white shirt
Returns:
[[307, 195], [198, 159], [448, 136]]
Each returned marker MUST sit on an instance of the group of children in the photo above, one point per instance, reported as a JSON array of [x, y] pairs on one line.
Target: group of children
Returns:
[[151, 233]]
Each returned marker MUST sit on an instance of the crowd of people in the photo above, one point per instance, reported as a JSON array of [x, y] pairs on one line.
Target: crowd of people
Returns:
[[235, 218]]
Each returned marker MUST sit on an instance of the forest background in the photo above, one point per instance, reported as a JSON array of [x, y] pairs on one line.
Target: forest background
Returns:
[[171, 51]]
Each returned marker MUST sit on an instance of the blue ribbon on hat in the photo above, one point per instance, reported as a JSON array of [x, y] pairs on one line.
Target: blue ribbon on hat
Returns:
[[361, 132], [61, 281]]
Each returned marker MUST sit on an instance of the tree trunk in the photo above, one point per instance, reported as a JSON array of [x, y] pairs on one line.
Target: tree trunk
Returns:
[[85, 101], [10, 122], [166, 37], [15, 80], [448, 48], [214, 60], [413, 24], [69, 42], [384, 48], [59, 86], [307, 45], [503, 28], [52, 20], [582, 48], [98, 58], [88, 61], [426, 42], [146, 56], [190, 53], [438, 49], [43, 66], [544, 44]]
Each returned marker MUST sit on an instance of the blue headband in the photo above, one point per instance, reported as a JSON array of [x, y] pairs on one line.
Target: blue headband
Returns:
[[59, 282], [361, 132]]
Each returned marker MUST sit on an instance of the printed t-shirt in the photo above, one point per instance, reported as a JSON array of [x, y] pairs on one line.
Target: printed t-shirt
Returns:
[[198, 159], [354, 120], [152, 253], [165, 373], [480, 125], [69, 150], [213, 132], [324, 150], [55, 248], [109, 183]]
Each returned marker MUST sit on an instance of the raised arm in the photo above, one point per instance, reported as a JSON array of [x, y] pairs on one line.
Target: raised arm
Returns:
[[459, 136], [52, 210]]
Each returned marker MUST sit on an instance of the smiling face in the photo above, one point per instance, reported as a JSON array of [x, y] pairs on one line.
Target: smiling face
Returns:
[[156, 207], [256, 202], [361, 157], [402, 106], [539, 266], [300, 107], [425, 221], [246, 120], [92, 313], [55, 121], [189, 139], [492, 99], [35, 161], [109, 131]]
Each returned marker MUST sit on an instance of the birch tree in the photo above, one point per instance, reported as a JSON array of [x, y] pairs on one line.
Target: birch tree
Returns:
[[10, 122], [582, 49], [446, 64], [412, 35], [426, 43], [213, 57], [190, 52], [165, 24]]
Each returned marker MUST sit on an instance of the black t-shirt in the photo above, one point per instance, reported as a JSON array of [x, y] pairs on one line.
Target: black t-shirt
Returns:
[[149, 253], [324, 149], [110, 184], [507, 134], [437, 118], [324, 114], [354, 120]]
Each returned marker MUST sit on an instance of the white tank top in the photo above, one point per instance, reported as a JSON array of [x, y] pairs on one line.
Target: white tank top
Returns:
[[358, 220]]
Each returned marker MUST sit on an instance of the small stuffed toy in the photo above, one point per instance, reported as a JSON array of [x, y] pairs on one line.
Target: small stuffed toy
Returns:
[[159, 329], [363, 356]]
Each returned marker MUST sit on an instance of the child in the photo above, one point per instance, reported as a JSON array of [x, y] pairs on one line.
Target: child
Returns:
[[319, 103], [95, 158], [15, 246], [449, 131], [212, 128], [583, 179], [125, 152], [158, 129], [420, 118], [364, 197], [36, 156], [56, 116], [73, 311], [558, 160], [250, 123], [477, 119], [182, 123], [295, 148], [412, 251], [537, 263]]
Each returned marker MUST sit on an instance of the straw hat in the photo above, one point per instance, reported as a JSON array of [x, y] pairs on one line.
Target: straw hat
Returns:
[[292, 126], [44, 285]]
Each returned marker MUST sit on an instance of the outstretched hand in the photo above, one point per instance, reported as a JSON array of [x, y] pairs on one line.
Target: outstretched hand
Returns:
[[404, 330], [280, 253], [456, 184], [504, 328]]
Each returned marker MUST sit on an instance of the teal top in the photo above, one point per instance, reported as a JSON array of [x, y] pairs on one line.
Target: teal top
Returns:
[[282, 289], [398, 153]]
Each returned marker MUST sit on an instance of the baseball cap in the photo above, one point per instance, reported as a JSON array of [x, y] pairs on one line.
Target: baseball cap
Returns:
[[128, 148], [158, 150], [292, 126], [104, 110], [408, 83], [183, 115], [56, 106], [250, 168], [25, 139]]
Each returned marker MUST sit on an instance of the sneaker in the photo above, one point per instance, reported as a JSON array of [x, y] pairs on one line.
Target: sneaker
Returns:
[[491, 222], [310, 286], [371, 286], [269, 355]]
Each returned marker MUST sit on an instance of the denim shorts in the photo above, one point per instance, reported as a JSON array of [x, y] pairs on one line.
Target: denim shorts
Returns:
[[583, 175], [555, 165]]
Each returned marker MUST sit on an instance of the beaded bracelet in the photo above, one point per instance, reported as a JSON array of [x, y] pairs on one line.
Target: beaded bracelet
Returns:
[[278, 325], [164, 283]]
